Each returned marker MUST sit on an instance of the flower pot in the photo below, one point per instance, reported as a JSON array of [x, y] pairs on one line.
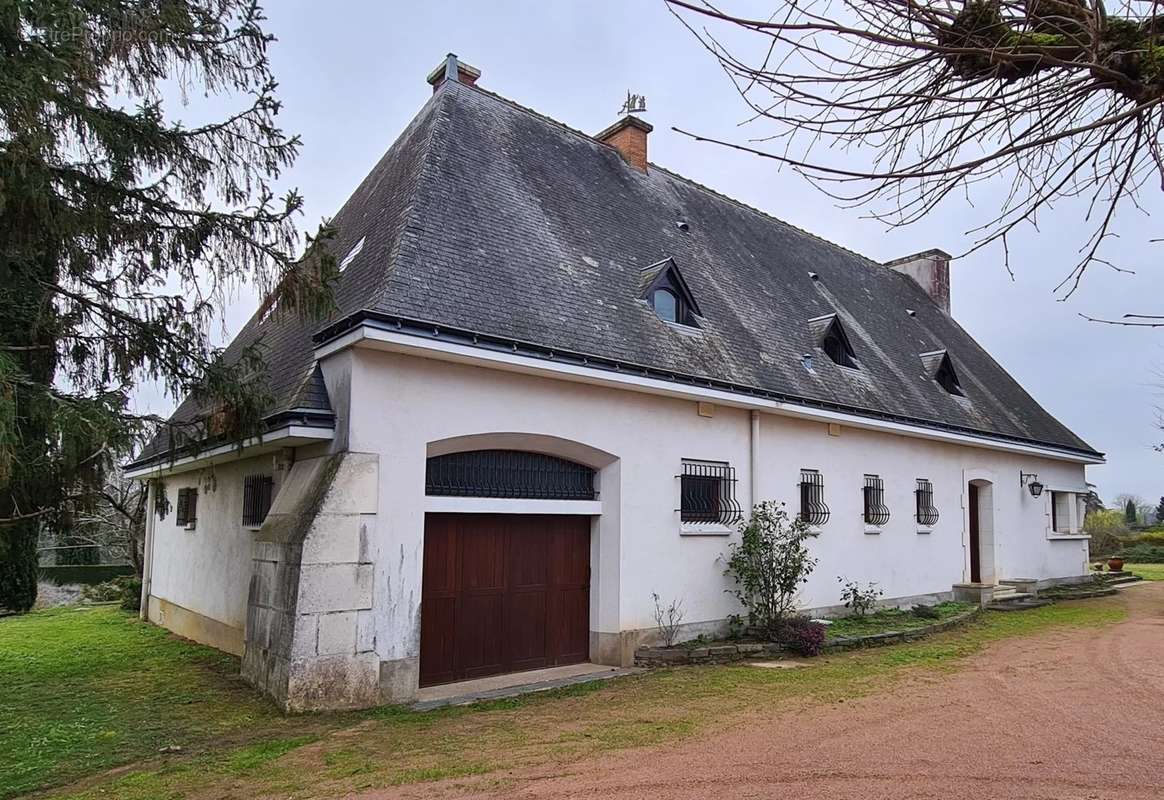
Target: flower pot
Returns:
[[1115, 564]]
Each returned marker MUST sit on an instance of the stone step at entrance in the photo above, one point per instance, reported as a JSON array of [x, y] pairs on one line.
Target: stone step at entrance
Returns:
[[1008, 599]]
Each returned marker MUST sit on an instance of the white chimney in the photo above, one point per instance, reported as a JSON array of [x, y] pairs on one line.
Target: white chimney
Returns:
[[929, 270]]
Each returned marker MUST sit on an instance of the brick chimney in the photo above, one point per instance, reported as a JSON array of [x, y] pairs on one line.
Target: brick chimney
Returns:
[[452, 69], [929, 270], [629, 137]]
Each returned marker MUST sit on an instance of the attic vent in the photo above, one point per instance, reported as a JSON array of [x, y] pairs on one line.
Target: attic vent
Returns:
[[682, 225], [941, 369], [351, 256], [831, 337]]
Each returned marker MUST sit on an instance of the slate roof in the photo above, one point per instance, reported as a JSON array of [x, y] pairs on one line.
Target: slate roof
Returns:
[[488, 217]]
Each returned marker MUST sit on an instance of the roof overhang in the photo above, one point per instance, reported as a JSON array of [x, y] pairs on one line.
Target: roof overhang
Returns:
[[290, 435], [371, 330]]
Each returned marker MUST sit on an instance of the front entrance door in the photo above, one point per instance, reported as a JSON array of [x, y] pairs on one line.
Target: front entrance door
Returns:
[[503, 593], [975, 538]]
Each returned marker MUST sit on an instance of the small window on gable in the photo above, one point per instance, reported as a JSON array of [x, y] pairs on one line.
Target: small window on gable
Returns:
[[668, 294], [187, 507], [941, 369], [831, 337], [257, 492]]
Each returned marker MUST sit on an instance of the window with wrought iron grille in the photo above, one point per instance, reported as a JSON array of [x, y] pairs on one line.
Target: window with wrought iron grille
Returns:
[[876, 512], [257, 491], [708, 493], [813, 508], [187, 511], [927, 515]]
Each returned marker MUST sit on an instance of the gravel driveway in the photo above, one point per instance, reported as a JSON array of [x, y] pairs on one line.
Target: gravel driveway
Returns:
[[1069, 714]]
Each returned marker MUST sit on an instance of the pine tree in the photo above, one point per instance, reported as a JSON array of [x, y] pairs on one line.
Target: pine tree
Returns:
[[120, 229], [1130, 515], [1160, 512]]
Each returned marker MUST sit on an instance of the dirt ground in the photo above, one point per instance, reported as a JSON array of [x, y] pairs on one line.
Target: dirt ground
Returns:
[[1066, 715]]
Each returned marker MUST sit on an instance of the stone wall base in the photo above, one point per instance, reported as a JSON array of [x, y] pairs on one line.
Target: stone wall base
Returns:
[[194, 626]]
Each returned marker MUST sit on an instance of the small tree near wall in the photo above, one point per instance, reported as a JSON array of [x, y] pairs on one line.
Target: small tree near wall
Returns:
[[770, 564]]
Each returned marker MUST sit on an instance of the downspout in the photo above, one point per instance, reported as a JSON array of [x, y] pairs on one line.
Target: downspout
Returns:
[[147, 556], [754, 452]]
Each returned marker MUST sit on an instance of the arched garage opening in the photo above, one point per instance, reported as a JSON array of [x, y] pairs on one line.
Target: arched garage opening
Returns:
[[506, 588]]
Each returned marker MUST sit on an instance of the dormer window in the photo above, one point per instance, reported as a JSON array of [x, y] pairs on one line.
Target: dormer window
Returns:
[[941, 369], [831, 337], [666, 305], [668, 295]]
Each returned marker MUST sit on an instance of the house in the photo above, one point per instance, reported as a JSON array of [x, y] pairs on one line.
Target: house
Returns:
[[558, 378]]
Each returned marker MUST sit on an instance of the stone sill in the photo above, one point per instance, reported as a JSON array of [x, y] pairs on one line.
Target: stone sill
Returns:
[[1067, 537], [728, 652], [695, 529]]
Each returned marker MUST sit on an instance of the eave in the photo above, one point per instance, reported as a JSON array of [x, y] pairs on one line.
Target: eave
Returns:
[[387, 332]]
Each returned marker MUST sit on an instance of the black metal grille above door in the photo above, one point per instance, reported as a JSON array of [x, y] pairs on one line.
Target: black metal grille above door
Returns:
[[508, 473]]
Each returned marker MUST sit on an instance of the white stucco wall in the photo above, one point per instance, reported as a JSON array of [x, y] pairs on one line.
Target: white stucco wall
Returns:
[[206, 570], [403, 404]]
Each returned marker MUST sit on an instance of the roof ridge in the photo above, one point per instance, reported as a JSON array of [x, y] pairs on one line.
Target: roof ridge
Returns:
[[672, 173]]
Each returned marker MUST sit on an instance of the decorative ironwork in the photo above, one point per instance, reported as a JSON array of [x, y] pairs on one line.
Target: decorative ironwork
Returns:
[[161, 502], [708, 493], [187, 506], [927, 515], [257, 490], [813, 508], [508, 473], [876, 512]]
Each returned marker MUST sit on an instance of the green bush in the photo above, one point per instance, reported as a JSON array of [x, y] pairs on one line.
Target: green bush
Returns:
[[1155, 537], [926, 612], [769, 564], [130, 593], [1108, 532], [1142, 554]]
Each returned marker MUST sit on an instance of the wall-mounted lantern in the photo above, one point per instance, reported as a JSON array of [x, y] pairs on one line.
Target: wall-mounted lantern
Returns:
[[1031, 481]]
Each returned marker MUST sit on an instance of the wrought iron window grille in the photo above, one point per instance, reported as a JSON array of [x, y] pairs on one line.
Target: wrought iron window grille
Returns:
[[813, 509], [187, 511], [508, 473], [876, 512], [927, 515], [257, 493], [708, 493]]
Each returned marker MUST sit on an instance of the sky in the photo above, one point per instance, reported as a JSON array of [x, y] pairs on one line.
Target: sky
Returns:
[[352, 76]]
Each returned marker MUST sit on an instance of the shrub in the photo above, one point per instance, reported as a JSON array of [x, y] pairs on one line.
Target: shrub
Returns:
[[130, 593], [801, 635], [1107, 529], [106, 592], [667, 619], [859, 601], [926, 612], [769, 564], [1142, 554], [1149, 538]]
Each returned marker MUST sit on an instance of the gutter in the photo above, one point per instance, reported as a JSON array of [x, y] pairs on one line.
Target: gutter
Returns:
[[434, 340]]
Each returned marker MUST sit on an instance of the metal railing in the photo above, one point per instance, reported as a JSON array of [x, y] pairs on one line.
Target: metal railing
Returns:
[[813, 508], [926, 513], [708, 493], [876, 512], [508, 473]]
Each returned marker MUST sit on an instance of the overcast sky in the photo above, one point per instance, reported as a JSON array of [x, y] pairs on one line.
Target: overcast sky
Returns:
[[352, 75]]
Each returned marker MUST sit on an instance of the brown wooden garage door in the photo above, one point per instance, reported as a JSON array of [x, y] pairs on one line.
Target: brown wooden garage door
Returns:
[[503, 593]]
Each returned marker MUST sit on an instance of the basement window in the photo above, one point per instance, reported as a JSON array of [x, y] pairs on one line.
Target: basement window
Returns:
[[708, 493], [927, 515], [257, 492], [876, 512], [187, 512], [813, 509]]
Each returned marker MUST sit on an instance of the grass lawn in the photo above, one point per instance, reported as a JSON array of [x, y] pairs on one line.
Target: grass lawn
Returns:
[[892, 619], [84, 691], [1149, 572]]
